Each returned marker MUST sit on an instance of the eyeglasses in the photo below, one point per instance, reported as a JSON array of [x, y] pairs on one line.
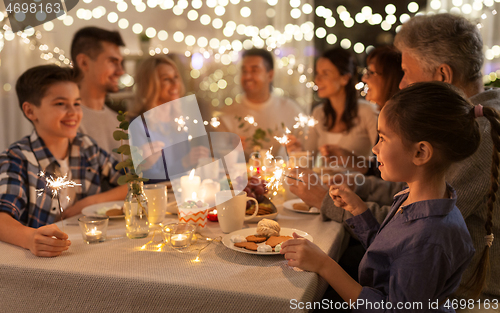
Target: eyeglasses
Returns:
[[367, 72]]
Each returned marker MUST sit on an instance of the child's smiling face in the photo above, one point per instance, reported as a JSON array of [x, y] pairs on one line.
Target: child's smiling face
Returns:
[[396, 159], [59, 113]]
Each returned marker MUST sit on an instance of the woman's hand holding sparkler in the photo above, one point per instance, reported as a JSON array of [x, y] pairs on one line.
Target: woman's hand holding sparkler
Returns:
[[48, 241], [345, 198], [310, 189], [293, 144], [195, 154]]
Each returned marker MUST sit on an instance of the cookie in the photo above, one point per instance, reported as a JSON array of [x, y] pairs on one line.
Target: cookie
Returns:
[[274, 240], [300, 207], [114, 212], [257, 239], [247, 245]]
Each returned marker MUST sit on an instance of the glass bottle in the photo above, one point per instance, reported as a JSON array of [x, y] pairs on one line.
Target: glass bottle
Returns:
[[135, 209]]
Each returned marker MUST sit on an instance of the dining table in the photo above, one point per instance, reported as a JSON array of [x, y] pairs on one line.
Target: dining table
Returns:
[[145, 275]]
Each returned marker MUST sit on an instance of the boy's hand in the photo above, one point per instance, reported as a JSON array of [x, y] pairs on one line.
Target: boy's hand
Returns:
[[42, 242], [303, 254], [345, 198]]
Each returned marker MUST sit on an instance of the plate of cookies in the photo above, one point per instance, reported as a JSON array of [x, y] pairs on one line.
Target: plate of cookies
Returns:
[[297, 205], [267, 209], [265, 239], [113, 209]]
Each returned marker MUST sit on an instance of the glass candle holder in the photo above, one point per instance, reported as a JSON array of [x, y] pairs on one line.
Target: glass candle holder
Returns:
[[93, 228], [179, 235], [193, 212]]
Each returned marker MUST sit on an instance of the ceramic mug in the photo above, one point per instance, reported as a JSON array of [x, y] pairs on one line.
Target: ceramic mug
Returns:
[[231, 210]]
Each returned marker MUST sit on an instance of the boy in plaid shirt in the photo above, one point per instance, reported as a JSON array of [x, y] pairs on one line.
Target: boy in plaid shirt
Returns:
[[50, 99]]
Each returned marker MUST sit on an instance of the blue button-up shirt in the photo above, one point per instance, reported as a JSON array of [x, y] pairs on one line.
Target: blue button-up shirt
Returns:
[[22, 162], [417, 256]]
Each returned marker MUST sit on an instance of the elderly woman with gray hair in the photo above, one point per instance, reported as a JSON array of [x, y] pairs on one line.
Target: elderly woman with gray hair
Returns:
[[447, 48]]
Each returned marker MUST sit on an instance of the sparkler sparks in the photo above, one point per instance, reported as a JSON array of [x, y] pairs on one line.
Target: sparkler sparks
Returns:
[[56, 185], [214, 121], [181, 123], [283, 139], [250, 119], [304, 120]]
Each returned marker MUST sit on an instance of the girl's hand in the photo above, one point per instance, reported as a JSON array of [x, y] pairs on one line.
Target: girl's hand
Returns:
[[293, 144], [345, 198], [303, 254], [48, 241]]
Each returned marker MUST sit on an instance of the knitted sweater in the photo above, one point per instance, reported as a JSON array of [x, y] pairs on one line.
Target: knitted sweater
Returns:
[[471, 179]]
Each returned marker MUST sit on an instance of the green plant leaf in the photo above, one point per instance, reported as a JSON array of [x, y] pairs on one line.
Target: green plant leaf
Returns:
[[115, 150], [124, 125], [122, 180], [124, 149], [120, 135], [120, 118], [123, 164]]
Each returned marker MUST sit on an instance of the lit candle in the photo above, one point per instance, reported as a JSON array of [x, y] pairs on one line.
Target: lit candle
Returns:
[[93, 235], [208, 190], [179, 240], [190, 184], [212, 216]]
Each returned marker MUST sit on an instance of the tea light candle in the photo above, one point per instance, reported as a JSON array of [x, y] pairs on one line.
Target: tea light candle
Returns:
[[93, 235], [212, 216], [179, 240], [189, 185]]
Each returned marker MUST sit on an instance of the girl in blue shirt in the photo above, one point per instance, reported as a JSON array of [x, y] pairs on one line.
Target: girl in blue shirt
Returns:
[[415, 259]]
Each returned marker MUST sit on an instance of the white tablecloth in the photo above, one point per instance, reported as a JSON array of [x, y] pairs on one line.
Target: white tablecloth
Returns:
[[116, 276]]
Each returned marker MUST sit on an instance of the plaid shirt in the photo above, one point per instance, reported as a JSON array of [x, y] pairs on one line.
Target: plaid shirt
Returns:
[[22, 162]]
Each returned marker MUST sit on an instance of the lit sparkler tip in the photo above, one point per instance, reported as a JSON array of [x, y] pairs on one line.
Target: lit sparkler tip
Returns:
[[214, 121], [304, 120], [57, 184], [250, 119], [282, 140]]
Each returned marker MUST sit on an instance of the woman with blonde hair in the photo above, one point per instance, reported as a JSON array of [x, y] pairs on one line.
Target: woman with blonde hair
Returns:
[[158, 83]]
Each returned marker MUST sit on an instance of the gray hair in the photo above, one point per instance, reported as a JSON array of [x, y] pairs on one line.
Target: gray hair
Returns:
[[444, 39]]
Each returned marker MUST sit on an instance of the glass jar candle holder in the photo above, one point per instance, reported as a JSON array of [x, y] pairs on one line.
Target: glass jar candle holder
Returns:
[[179, 235], [93, 228]]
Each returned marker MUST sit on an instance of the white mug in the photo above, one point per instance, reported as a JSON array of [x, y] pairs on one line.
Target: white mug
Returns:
[[231, 210]]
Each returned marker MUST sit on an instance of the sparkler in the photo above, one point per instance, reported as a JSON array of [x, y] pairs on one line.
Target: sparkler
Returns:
[[284, 140], [304, 120], [181, 123], [251, 120], [56, 185], [214, 121], [276, 180]]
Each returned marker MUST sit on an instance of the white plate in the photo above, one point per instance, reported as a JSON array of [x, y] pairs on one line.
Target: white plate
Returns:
[[96, 209], [226, 240], [289, 206]]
